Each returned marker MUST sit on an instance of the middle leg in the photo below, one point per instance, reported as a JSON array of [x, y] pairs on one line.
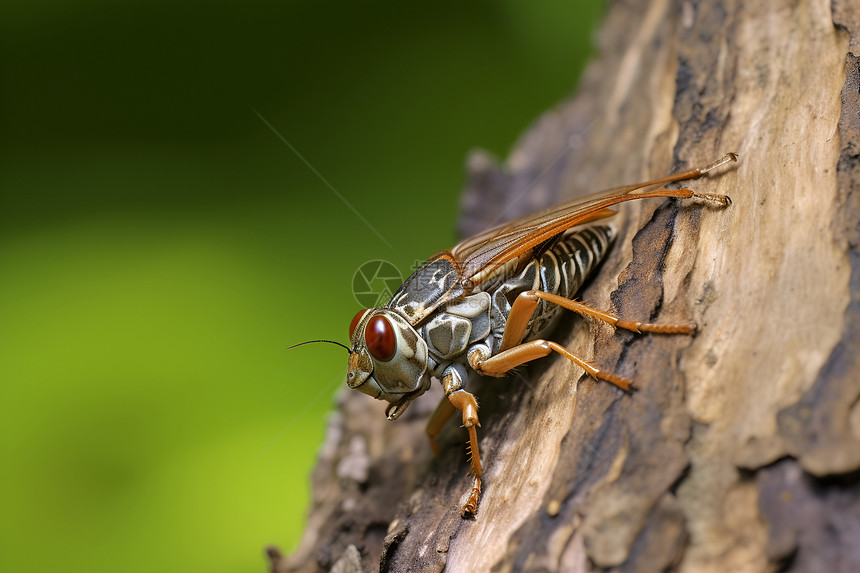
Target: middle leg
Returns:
[[528, 351]]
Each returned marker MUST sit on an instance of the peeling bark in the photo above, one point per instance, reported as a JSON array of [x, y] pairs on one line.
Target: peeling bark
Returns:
[[740, 450]]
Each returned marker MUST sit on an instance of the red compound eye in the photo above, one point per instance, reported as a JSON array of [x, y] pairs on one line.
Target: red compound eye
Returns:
[[380, 338], [355, 320]]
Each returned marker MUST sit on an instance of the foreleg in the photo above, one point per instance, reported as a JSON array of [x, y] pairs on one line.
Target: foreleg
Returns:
[[466, 403]]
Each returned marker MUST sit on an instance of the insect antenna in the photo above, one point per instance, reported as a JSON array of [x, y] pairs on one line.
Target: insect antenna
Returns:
[[312, 341]]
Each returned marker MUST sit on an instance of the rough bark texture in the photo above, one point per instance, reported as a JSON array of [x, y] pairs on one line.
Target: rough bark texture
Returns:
[[740, 451]]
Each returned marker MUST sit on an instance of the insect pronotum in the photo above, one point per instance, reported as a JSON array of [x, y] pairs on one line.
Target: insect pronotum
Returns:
[[487, 304]]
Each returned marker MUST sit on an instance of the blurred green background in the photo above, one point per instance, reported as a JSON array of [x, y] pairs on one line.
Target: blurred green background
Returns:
[[160, 246]]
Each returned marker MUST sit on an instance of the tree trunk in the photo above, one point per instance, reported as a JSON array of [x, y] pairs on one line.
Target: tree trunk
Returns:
[[740, 450]]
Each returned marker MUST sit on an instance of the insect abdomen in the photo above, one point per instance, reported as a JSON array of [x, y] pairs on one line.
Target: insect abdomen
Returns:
[[561, 270], [569, 262]]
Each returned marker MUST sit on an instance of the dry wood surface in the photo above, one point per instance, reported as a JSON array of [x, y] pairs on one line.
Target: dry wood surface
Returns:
[[740, 449]]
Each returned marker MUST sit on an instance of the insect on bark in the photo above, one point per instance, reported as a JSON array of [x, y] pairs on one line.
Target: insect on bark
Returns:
[[487, 304]]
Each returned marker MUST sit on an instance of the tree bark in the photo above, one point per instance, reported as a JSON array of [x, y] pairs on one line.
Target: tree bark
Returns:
[[740, 450]]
